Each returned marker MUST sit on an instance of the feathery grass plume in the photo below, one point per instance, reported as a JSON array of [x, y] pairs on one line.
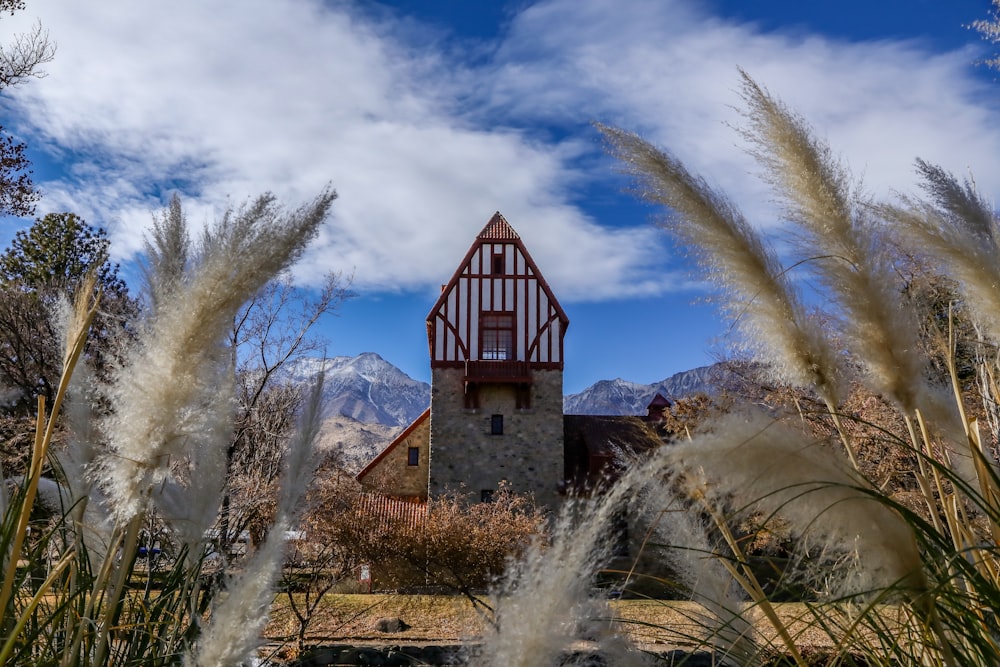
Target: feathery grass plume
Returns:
[[757, 292], [234, 630], [179, 362], [989, 30], [77, 457], [849, 542], [746, 464], [681, 538], [544, 596], [167, 252], [758, 296], [957, 227], [191, 512], [960, 203], [851, 259], [749, 463]]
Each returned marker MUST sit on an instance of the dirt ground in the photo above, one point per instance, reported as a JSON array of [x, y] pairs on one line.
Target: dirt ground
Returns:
[[446, 619]]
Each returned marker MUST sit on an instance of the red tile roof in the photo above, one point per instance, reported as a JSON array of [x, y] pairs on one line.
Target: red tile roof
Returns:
[[384, 509], [498, 229]]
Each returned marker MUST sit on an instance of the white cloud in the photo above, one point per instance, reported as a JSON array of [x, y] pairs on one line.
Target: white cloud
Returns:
[[230, 98], [669, 71]]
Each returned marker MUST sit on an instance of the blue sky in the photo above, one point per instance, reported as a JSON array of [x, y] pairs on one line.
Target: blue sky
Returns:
[[429, 116]]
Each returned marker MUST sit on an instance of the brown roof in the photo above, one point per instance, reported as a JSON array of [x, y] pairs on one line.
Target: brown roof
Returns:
[[384, 509], [498, 229]]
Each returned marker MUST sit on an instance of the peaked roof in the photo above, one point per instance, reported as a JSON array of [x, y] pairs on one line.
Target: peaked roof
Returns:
[[659, 401], [401, 438], [498, 229]]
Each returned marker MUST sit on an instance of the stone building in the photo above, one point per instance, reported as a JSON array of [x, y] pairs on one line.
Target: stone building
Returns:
[[495, 338]]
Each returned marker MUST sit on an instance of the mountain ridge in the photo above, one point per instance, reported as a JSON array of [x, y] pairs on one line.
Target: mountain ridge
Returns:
[[622, 397], [366, 388], [370, 390], [368, 401]]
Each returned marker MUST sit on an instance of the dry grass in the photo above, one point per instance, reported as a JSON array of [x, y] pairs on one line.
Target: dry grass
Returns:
[[446, 618], [353, 617]]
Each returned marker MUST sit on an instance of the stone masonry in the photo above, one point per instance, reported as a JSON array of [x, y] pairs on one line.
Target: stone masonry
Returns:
[[467, 457]]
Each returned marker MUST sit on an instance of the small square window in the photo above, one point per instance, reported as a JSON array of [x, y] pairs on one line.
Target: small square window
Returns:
[[498, 264], [496, 425], [413, 456]]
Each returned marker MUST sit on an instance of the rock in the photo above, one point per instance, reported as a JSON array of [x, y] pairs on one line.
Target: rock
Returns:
[[391, 624]]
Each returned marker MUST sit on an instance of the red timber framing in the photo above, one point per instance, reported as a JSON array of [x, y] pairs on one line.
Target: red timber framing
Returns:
[[497, 317]]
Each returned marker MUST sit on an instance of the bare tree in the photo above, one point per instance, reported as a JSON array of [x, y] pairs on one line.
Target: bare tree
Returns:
[[272, 331], [20, 60], [319, 562], [23, 57]]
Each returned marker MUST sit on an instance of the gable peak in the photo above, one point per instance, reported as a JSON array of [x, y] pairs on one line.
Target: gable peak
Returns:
[[498, 229]]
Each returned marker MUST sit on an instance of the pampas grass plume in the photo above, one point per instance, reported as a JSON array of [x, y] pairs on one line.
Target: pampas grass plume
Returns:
[[180, 362], [749, 463], [758, 295], [841, 236], [238, 620]]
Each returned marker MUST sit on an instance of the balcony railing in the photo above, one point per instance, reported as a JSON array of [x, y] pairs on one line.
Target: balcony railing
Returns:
[[517, 372]]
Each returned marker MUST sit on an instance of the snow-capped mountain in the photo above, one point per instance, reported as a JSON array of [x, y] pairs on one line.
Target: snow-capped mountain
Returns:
[[369, 389], [366, 388], [621, 397]]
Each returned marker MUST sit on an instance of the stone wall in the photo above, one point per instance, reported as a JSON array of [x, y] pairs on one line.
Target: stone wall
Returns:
[[466, 456], [394, 476]]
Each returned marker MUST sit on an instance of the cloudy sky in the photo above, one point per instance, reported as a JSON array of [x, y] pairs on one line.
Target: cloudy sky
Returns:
[[427, 117]]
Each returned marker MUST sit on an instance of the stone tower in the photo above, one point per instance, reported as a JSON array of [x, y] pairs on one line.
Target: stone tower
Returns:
[[496, 348]]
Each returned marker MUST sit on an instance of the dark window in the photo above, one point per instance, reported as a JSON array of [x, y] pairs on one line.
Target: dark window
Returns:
[[496, 425], [413, 456], [486, 496], [498, 264], [523, 397], [497, 337]]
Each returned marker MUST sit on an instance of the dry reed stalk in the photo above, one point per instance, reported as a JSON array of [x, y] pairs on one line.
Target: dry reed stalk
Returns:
[[86, 309]]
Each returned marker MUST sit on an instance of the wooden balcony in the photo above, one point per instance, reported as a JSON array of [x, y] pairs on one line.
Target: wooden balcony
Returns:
[[512, 372]]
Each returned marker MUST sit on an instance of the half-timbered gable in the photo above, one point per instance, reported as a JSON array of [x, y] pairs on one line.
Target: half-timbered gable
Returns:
[[497, 307], [495, 338]]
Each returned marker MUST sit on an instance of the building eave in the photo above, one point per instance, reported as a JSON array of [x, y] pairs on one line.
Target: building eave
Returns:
[[399, 439]]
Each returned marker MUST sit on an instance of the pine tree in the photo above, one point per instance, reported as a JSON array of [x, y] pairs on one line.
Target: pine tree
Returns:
[[43, 264]]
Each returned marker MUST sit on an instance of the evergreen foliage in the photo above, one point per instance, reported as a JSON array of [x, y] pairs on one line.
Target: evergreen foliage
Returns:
[[58, 251], [44, 265]]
